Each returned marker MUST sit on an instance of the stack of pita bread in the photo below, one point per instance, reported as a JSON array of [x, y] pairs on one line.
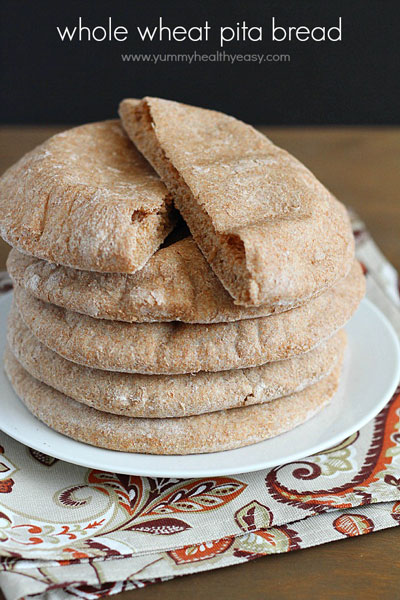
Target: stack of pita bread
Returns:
[[181, 283]]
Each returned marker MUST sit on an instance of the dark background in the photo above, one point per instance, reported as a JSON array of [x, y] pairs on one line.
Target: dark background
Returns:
[[356, 81]]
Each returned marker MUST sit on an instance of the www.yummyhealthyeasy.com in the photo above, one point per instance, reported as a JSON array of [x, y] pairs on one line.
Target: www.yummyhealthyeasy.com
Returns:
[[240, 32]]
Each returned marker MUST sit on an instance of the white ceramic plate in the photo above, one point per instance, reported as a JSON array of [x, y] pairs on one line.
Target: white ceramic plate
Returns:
[[370, 375]]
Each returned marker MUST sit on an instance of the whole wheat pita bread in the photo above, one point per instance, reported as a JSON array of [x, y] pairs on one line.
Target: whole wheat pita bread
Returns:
[[176, 284], [86, 198], [211, 432], [161, 396], [158, 348], [271, 231]]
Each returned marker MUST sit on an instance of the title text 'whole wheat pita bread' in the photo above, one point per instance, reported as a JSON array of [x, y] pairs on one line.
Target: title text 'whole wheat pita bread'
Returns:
[[167, 348], [86, 198], [162, 396], [271, 231], [211, 432], [176, 284]]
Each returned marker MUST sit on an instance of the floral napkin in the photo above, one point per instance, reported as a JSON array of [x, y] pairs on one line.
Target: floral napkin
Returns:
[[70, 531]]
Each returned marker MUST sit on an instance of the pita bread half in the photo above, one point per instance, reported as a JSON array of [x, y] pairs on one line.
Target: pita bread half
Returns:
[[161, 396], [169, 348], [211, 432], [272, 233], [86, 198]]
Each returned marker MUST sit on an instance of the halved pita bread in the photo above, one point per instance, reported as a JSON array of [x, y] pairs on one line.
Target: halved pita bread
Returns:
[[272, 233], [86, 198]]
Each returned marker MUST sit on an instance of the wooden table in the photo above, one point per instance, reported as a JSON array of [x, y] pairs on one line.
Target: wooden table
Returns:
[[362, 168]]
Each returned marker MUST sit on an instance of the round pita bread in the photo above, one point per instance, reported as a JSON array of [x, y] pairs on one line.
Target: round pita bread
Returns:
[[167, 348], [176, 284], [86, 198], [211, 432], [161, 396]]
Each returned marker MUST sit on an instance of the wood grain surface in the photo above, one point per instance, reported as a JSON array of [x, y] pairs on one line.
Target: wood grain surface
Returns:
[[361, 166]]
